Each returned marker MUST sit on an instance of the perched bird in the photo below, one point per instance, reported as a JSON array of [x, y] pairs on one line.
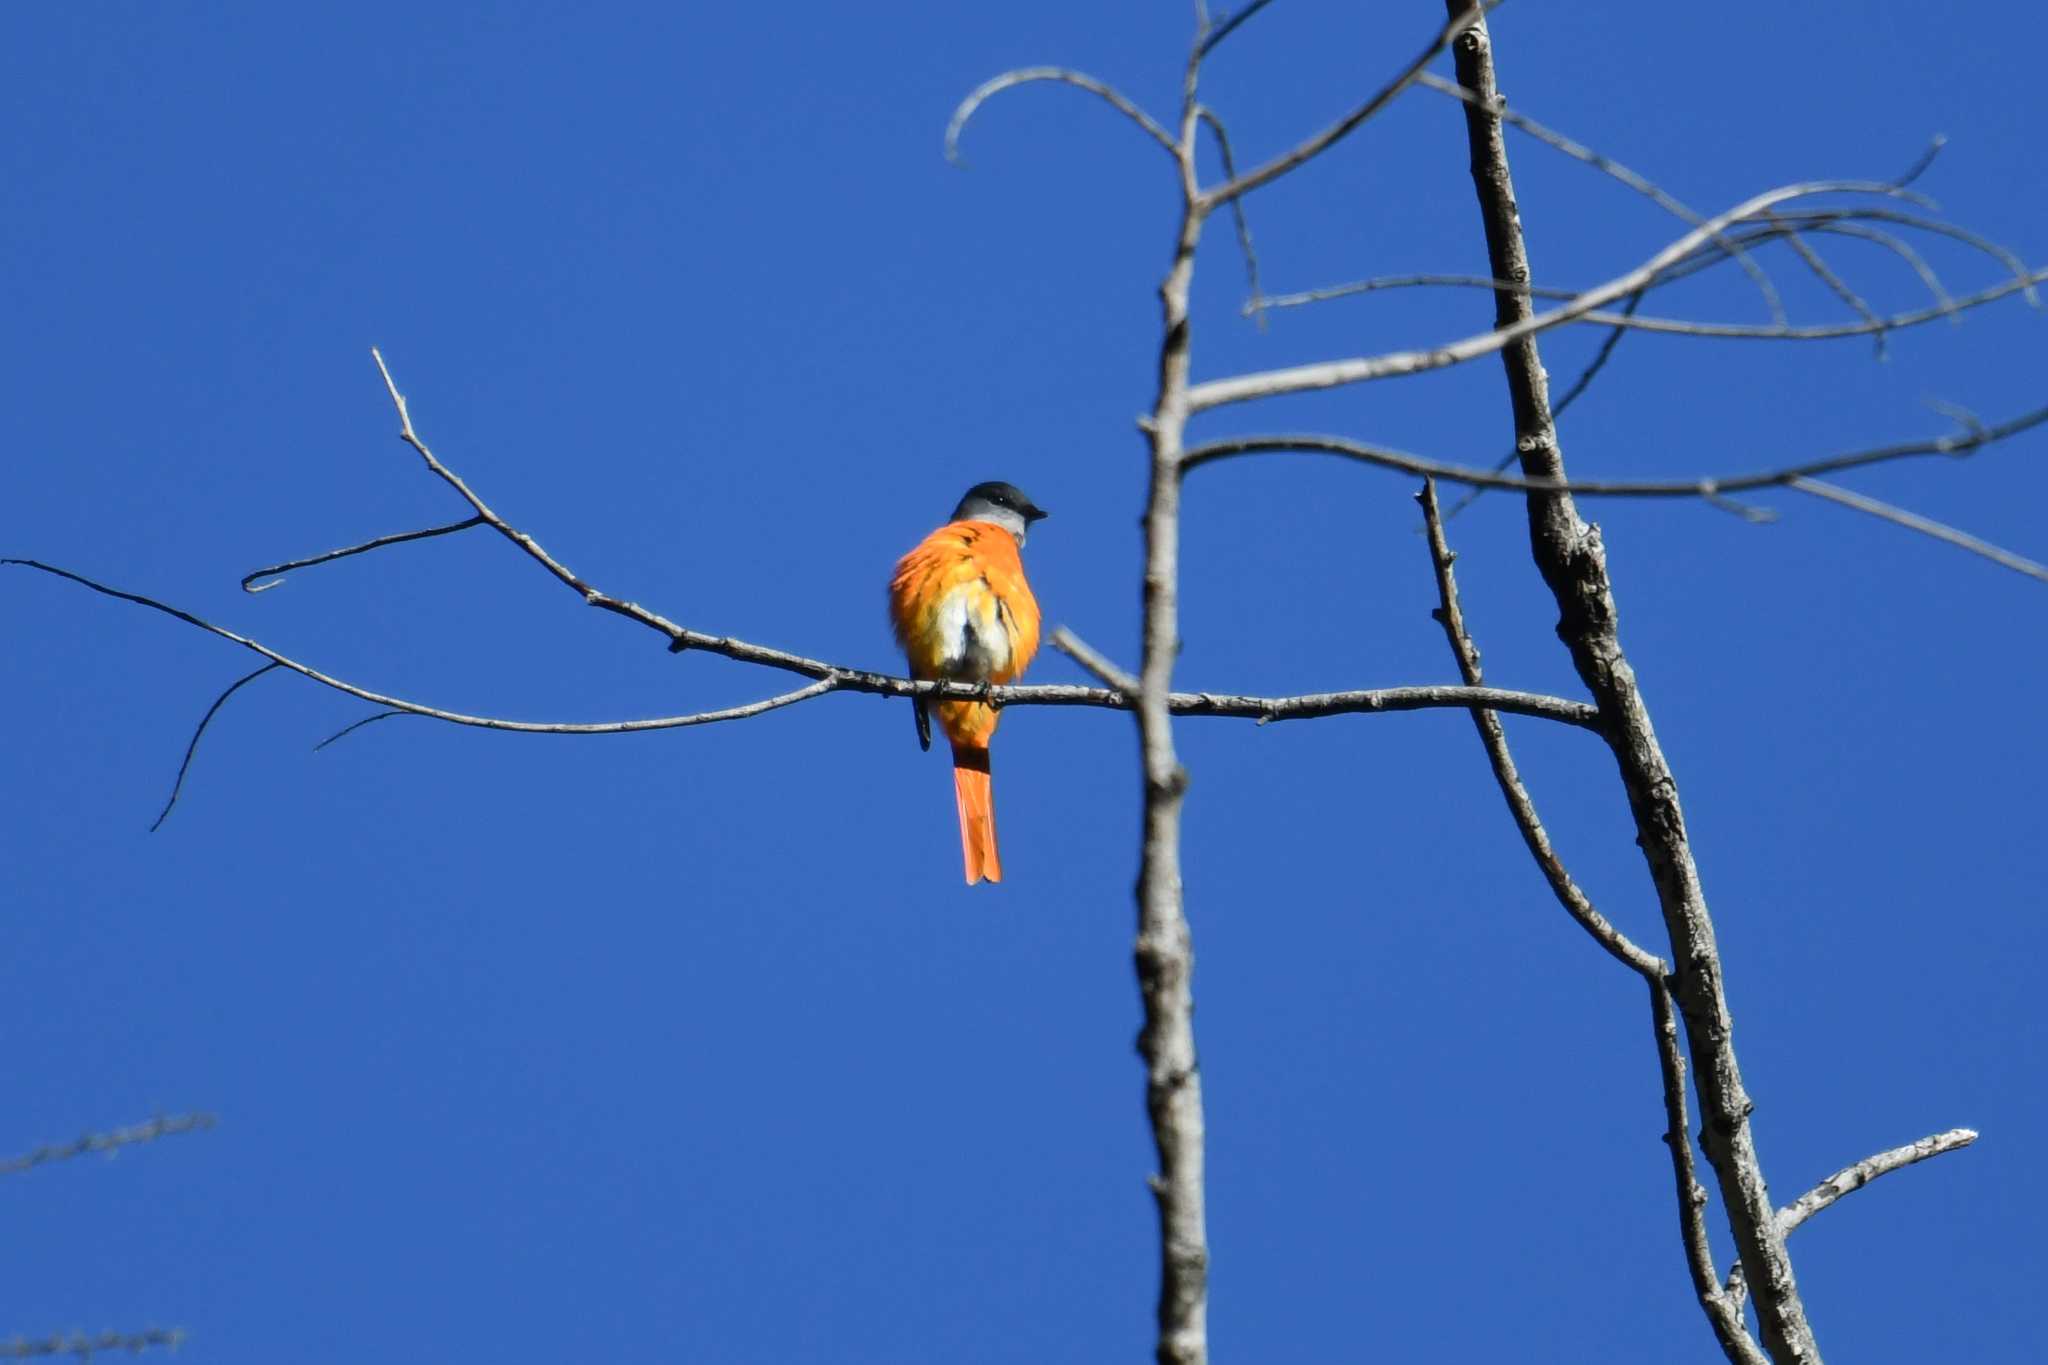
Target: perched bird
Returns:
[[963, 611]]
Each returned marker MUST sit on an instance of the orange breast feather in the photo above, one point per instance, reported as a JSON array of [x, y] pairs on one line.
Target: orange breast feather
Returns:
[[962, 609]]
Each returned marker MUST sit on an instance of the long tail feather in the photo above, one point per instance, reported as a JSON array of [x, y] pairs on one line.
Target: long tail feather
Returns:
[[977, 814]]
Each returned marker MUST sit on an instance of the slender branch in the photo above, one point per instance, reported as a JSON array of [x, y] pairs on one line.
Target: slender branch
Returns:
[[249, 583], [1451, 617], [1850, 1179], [1097, 663], [1336, 373], [833, 678], [1468, 11], [1723, 1309], [356, 725], [1926, 526], [1027, 75], [1573, 563], [1713, 486], [185, 764], [1244, 228], [85, 1347], [1608, 166], [112, 1141], [1229, 26]]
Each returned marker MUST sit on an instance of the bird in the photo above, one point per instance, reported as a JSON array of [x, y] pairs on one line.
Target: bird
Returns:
[[963, 611]]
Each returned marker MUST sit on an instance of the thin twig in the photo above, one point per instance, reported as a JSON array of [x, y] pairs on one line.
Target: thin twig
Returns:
[[1230, 26], [111, 1141], [1335, 373], [1608, 166], [1096, 662], [1850, 1179], [85, 1346], [185, 764], [249, 583], [1243, 224], [1388, 458], [354, 726], [1026, 76], [1926, 526], [1451, 617], [1238, 186]]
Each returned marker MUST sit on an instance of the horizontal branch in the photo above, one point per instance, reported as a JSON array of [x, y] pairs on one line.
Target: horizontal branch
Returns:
[[835, 678], [1727, 331], [111, 1141], [1385, 457], [85, 1346]]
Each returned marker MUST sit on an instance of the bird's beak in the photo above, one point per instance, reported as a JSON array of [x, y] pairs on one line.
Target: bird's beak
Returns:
[[1032, 514]]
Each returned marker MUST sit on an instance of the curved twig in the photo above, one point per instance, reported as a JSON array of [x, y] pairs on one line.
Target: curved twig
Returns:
[[1214, 123], [1228, 27], [994, 86], [185, 765], [249, 583]]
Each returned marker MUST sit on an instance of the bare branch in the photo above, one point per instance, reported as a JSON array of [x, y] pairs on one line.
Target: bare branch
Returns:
[[185, 764], [1468, 11], [1451, 617], [1710, 487], [1336, 373], [162, 1126], [1850, 1179], [833, 678], [1097, 663], [85, 1347], [249, 583], [356, 725], [1609, 166], [1573, 563], [1926, 526], [1723, 1309], [1027, 75], [1244, 227], [1228, 27]]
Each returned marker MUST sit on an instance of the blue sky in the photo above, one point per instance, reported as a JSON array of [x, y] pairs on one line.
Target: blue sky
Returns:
[[692, 1046]]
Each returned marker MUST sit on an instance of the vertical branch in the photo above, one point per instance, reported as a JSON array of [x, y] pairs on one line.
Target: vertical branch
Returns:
[[1165, 950], [1573, 564]]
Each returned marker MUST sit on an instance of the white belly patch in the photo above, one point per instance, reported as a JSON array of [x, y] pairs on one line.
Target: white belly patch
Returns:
[[973, 644]]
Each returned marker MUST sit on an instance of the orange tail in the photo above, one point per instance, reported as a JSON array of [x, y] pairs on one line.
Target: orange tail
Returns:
[[977, 814]]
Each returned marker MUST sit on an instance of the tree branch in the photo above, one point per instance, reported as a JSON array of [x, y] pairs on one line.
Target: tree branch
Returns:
[[1467, 11], [249, 583], [85, 1347], [1723, 1309], [193, 748], [1337, 373], [1164, 954], [1926, 526], [162, 1126], [1449, 615], [1025, 76], [1384, 457], [1850, 1179], [1573, 564]]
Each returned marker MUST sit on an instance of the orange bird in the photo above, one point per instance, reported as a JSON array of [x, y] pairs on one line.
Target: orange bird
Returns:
[[963, 611]]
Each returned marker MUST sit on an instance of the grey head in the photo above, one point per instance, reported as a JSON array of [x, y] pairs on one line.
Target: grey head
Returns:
[[1005, 504]]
